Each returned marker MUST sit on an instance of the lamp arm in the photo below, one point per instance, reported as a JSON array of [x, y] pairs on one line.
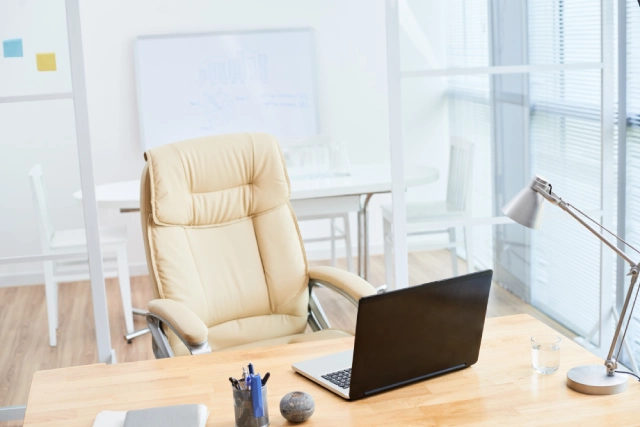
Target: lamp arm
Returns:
[[611, 363], [562, 205], [553, 198]]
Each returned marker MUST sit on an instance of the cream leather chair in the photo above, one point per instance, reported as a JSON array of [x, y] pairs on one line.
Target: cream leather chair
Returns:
[[225, 257]]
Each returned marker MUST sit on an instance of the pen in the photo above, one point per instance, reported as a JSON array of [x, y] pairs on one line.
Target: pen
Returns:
[[256, 396], [249, 376], [244, 377], [266, 378]]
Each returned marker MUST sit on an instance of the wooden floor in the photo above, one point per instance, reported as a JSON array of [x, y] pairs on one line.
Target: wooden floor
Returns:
[[25, 344]]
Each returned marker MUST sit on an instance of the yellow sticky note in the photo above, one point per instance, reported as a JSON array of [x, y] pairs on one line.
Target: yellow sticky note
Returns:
[[46, 61]]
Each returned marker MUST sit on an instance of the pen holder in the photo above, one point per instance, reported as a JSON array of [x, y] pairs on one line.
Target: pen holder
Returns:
[[243, 408]]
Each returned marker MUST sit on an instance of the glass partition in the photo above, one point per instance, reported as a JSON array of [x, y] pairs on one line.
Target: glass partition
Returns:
[[52, 304], [339, 175], [520, 84]]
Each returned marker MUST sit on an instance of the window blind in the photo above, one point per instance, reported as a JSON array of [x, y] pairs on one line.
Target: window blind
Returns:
[[564, 136], [565, 147], [467, 33], [632, 226]]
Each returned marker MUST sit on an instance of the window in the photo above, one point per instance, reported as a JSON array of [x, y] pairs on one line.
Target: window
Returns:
[[632, 201], [565, 147], [522, 81]]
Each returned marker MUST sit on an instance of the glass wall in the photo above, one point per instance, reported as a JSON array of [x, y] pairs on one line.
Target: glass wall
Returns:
[[334, 173], [46, 299], [521, 82], [629, 127]]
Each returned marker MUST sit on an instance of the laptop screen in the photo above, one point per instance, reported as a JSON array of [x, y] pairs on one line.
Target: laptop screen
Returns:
[[413, 333]]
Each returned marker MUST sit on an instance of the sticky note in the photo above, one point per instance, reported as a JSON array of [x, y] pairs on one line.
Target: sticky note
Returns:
[[12, 48], [46, 61]]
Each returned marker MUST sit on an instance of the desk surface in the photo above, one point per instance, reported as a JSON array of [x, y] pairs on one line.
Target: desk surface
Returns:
[[501, 389], [363, 180]]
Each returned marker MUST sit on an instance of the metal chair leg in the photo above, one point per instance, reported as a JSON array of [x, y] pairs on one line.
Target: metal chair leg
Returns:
[[135, 334]]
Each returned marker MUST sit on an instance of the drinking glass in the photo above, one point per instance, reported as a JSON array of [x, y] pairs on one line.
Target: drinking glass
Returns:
[[545, 353]]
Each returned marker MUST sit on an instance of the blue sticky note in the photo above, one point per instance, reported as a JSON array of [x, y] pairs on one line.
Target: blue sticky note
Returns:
[[12, 48]]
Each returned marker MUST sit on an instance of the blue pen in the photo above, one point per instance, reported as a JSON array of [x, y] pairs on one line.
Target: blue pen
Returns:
[[248, 382], [256, 395]]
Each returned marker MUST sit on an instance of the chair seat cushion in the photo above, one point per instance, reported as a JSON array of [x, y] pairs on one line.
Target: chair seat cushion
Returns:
[[326, 334], [65, 239]]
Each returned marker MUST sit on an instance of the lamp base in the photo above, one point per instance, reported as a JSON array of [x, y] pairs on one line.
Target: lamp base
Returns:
[[593, 379]]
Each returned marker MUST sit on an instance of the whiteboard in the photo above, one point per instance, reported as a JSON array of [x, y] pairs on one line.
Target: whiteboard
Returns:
[[204, 84]]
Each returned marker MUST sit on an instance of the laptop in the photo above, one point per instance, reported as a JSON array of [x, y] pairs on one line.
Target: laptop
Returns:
[[408, 335]]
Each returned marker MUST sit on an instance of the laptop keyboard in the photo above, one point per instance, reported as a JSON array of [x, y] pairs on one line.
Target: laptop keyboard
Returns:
[[340, 378]]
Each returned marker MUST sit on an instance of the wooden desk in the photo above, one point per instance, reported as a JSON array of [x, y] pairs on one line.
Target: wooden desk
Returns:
[[501, 389]]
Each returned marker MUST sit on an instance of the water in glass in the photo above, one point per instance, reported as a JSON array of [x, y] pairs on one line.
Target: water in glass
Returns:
[[545, 353]]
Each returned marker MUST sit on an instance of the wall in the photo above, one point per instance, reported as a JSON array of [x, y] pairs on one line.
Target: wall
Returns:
[[351, 57]]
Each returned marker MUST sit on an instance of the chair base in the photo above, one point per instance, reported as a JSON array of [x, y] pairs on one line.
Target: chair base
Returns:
[[140, 332], [135, 334]]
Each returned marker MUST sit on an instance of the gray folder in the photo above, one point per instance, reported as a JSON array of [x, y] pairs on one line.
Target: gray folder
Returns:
[[168, 416]]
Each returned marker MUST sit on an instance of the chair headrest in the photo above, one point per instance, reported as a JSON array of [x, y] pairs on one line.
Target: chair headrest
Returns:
[[216, 179]]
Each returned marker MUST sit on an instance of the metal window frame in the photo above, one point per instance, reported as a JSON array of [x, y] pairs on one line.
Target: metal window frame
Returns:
[[83, 137], [394, 76], [621, 268], [607, 175]]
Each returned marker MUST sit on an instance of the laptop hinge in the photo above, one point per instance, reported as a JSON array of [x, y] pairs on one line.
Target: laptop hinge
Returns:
[[413, 380]]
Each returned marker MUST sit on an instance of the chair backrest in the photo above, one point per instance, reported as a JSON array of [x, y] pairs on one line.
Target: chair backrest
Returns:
[[460, 180], [45, 225], [222, 239]]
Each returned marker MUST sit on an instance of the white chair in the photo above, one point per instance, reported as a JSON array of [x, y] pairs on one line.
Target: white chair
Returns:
[[113, 241], [336, 233], [428, 217], [321, 156]]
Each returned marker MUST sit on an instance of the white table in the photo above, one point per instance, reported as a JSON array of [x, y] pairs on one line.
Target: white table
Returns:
[[308, 197]]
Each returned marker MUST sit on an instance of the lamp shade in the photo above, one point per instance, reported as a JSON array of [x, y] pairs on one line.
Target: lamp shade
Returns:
[[526, 207]]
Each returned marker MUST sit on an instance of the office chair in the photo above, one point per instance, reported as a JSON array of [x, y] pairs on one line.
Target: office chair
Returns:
[[226, 260]]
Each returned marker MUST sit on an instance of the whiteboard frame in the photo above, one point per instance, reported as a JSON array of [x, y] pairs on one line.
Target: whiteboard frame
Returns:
[[314, 64]]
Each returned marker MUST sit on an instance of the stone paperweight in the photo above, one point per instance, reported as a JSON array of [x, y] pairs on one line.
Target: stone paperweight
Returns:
[[297, 406]]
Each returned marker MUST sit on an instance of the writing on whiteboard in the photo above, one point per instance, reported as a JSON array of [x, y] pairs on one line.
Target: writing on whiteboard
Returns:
[[239, 68], [191, 86]]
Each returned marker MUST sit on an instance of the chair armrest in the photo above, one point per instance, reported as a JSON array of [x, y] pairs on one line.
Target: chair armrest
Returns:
[[347, 284], [183, 322]]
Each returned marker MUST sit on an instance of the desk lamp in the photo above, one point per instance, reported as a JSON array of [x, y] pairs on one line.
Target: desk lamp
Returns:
[[526, 209]]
